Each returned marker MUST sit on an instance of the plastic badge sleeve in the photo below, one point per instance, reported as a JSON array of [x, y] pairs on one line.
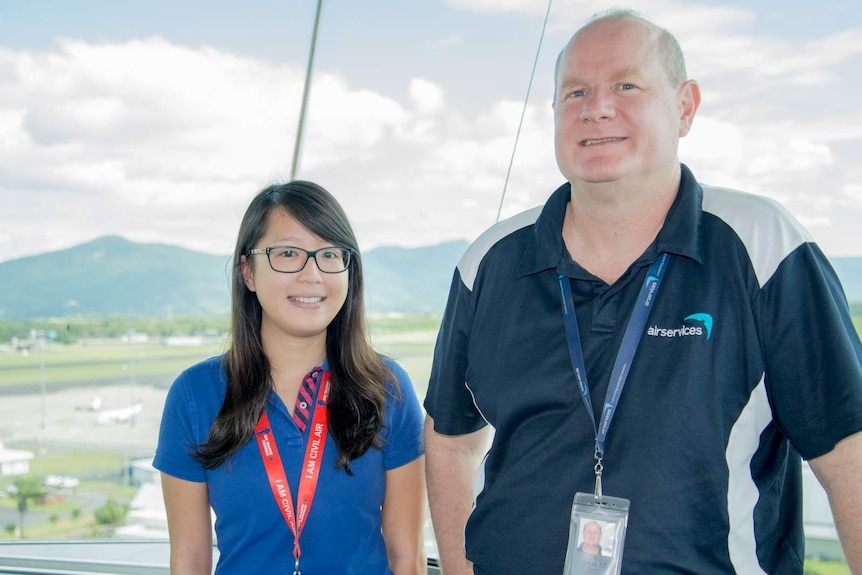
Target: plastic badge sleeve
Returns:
[[597, 532]]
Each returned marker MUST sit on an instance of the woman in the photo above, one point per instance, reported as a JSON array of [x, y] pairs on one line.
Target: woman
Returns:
[[299, 403]]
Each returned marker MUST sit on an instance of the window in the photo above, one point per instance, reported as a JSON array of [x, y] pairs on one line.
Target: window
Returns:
[[156, 121]]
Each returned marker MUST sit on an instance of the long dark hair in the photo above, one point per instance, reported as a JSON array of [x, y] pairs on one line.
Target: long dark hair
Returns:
[[358, 374]]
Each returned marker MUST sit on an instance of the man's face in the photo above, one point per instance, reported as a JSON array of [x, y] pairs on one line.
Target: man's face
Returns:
[[592, 534], [616, 113]]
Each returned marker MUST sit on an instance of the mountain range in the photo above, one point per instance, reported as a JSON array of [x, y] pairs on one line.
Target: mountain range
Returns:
[[112, 276]]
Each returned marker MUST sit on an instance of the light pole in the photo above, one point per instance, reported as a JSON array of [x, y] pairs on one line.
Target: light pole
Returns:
[[131, 335], [41, 340]]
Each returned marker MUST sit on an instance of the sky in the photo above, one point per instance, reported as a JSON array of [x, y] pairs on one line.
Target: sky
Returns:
[[159, 120]]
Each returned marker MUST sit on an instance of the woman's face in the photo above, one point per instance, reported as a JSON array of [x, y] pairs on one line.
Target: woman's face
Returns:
[[298, 305]]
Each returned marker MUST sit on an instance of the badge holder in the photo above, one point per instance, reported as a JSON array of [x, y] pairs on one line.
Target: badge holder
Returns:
[[597, 531]]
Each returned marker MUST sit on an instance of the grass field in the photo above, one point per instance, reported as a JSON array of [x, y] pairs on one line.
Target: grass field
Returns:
[[69, 514], [80, 363], [410, 341], [819, 567]]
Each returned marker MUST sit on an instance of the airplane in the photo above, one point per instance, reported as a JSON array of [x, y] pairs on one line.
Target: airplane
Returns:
[[113, 416]]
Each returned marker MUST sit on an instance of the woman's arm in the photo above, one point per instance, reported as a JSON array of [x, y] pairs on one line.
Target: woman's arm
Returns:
[[189, 526], [404, 518]]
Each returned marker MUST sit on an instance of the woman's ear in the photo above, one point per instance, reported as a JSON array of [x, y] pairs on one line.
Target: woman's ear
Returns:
[[247, 273]]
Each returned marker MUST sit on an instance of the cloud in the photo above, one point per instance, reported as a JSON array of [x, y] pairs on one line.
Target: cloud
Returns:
[[756, 151], [158, 141], [524, 6], [172, 139], [427, 96]]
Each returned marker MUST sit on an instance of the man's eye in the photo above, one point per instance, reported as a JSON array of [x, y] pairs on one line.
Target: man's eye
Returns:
[[576, 94], [625, 87]]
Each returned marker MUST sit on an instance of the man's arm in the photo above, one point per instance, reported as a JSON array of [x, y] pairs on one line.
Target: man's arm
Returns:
[[451, 462], [840, 474]]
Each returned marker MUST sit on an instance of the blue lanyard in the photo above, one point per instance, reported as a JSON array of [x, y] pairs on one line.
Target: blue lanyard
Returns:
[[622, 364]]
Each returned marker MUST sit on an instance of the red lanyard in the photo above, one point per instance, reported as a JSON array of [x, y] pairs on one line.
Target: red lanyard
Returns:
[[310, 468]]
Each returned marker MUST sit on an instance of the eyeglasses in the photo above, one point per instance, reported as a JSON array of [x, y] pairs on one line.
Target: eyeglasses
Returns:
[[290, 259]]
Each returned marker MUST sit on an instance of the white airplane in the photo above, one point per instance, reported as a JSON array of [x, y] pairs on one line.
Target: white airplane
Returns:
[[113, 416]]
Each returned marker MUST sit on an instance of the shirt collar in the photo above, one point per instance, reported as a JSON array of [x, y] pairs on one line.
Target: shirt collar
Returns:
[[681, 233]]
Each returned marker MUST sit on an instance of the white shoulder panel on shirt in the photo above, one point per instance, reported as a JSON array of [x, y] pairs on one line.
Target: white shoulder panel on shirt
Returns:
[[468, 267], [768, 231]]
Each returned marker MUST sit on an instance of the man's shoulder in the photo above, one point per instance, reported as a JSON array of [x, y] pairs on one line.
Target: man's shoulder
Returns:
[[740, 205], [765, 227], [468, 266]]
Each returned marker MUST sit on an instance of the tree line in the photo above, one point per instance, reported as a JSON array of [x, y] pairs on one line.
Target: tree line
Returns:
[[71, 330]]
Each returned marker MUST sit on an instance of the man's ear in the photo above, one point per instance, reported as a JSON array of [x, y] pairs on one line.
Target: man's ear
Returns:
[[689, 103], [247, 273]]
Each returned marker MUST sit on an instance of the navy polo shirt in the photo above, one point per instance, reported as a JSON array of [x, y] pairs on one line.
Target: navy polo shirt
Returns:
[[749, 359]]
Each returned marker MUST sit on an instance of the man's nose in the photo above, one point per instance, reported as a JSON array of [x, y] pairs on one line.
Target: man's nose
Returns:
[[597, 106]]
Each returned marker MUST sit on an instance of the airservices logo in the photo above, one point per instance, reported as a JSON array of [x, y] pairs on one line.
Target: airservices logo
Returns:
[[695, 325]]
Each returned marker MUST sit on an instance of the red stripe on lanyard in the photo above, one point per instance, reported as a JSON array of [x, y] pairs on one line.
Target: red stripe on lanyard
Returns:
[[310, 469]]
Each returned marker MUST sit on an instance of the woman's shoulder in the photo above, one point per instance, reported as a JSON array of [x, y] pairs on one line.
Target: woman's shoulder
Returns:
[[401, 384], [402, 393], [399, 372], [403, 421], [205, 368], [204, 374]]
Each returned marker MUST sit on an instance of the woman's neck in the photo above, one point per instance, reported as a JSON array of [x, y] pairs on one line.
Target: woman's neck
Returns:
[[290, 359]]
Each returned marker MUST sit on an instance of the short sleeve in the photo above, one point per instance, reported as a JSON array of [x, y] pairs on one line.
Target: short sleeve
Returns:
[[403, 424], [812, 352], [181, 430], [449, 401]]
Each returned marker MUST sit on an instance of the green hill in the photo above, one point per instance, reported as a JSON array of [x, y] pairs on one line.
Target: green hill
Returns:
[[113, 276]]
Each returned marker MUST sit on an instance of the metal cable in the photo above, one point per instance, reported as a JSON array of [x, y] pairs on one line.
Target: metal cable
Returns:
[[294, 166], [523, 111]]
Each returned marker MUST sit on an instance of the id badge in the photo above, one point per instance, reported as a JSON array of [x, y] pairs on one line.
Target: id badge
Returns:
[[597, 531]]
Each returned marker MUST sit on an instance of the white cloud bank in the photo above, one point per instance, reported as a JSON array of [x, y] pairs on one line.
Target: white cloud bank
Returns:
[[165, 143]]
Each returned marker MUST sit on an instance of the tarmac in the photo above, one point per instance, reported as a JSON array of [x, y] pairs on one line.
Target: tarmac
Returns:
[[68, 416]]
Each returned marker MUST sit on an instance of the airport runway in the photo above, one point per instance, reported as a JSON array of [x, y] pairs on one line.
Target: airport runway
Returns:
[[66, 416]]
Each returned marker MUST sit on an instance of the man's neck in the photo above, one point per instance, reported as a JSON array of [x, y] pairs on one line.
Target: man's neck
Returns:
[[608, 226]]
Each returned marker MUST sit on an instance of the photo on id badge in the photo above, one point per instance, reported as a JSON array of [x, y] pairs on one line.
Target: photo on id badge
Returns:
[[596, 537], [594, 550]]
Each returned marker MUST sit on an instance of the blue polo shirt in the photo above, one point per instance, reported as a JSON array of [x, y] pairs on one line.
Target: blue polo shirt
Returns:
[[749, 359], [343, 531]]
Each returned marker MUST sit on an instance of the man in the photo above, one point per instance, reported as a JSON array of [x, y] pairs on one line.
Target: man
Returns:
[[592, 538], [587, 558], [747, 358]]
